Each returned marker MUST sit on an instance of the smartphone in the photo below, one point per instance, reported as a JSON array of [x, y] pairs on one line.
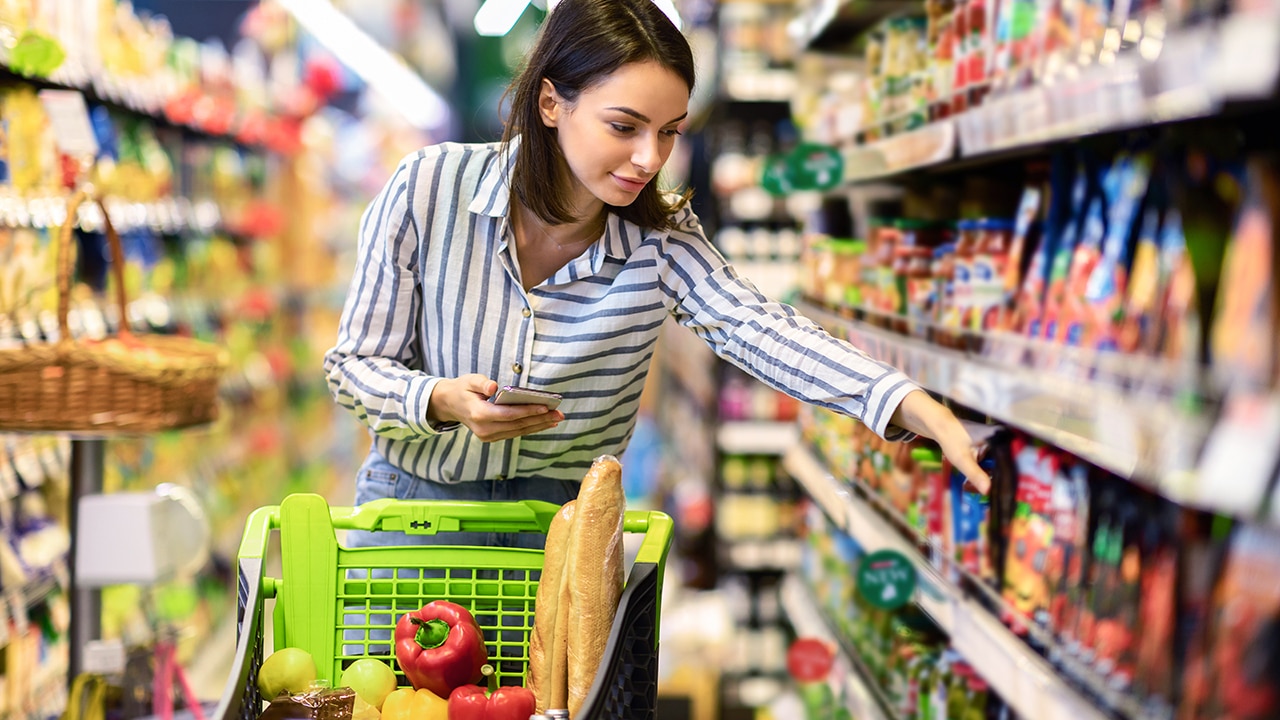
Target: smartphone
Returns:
[[511, 395]]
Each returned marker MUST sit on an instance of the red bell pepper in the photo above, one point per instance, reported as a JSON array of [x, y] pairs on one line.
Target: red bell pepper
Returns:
[[440, 647], [508, 703]]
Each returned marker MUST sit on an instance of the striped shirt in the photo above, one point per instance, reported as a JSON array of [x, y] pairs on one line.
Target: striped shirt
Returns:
[[438, 294]]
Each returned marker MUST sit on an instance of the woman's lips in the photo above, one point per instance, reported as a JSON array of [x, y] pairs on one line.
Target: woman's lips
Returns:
[[629, 184]]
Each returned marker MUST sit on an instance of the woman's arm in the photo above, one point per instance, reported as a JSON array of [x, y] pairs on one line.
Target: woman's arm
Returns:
[[374, 369], [791, 353]]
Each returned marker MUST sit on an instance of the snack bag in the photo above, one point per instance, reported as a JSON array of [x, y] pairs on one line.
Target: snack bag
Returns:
[[1104, 293], [1025, 585], [1244, 661], [1064, 251], [1023, 239], [1243, 329], [1069, 508], [1140, 305], [1154, 677]]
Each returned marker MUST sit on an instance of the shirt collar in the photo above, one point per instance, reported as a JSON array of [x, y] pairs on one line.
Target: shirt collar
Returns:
[[493, 199], [493, 196]]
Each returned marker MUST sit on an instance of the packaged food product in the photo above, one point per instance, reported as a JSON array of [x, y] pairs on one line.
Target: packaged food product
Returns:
[[990, 263], [1243, 661], [1026, 587], [1245, 325], [1024, 238], [1140, 303], [1067, 305], [1154, 678], [1041, 295], [1105, 289], [1069, 510]]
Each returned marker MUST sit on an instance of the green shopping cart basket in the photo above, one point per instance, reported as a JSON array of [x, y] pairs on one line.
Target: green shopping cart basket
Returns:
[[340, 604]]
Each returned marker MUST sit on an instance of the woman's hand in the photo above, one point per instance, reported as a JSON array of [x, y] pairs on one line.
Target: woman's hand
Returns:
[[466, 400], [925, 416]]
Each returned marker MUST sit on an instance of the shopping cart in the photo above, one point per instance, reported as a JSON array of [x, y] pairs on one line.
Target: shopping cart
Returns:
[[341, 604]]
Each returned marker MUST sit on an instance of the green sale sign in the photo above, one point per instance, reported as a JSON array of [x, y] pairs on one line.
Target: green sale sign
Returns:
[[886, 579]]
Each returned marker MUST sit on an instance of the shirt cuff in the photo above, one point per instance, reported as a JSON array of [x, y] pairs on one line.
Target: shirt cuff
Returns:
[[883, 399], [416, 401]]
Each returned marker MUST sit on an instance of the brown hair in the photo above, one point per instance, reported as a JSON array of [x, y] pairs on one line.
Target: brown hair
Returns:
[[581, 43]]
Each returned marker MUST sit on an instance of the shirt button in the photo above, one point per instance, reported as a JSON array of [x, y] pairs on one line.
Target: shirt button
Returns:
[[526, 312], [517, 367]]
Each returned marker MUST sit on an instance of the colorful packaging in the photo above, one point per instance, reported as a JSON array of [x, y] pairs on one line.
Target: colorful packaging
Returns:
[[1069, 510], [1045, 324], [1154, 677], [1023, 238], [1067, 310], [1244, 327], [991, 261], [1243, 662], [1026, 587], [1140, 305], [1105, 290]]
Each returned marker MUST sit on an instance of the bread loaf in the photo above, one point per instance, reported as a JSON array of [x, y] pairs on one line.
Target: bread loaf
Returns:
[[547, 651], [594, 573]]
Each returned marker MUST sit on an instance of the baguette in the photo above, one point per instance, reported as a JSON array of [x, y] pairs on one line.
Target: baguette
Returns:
[[594, 574], [547, 646]]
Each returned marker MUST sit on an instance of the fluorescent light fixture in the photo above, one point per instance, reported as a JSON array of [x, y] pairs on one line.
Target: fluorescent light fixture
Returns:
[[668, 8], [403, 88], [495, 18]]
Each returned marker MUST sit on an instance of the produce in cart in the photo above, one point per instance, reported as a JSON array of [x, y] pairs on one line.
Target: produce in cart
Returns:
[[509, 703], [440, 647]]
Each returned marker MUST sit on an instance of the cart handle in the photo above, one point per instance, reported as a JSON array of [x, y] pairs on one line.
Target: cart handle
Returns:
[[428, 517]]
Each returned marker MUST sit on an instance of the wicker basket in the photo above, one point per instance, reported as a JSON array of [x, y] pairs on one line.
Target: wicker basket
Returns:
[[129, 383]]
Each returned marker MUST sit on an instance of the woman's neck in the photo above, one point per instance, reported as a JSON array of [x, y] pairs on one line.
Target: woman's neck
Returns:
[[564, 235]]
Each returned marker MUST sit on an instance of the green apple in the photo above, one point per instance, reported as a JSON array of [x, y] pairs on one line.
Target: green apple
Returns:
[[288, 669], [372, 680]]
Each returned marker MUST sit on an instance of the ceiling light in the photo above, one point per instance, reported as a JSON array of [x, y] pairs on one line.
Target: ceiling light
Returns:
[[387, 74], [495, 18]]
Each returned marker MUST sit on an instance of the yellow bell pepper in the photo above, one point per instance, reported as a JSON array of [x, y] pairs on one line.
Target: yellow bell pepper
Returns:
[[406, 704]]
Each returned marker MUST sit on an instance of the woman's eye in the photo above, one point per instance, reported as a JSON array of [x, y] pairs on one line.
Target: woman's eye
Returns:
[[618, 127], [672, 132]]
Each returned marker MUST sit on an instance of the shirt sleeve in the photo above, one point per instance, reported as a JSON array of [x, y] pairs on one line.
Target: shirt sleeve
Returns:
[[374, 369], [772, 341]]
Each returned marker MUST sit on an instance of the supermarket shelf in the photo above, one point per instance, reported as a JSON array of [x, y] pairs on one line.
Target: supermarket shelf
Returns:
[[748, 437], [866, 700], [120, 100], [1136, 432], [1023, 678], [917, 149], [834, 24], [759, 85], [762, 555], [1190, 74]]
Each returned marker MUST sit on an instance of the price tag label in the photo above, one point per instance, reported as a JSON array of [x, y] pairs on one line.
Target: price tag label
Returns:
[[69, 118], [1239, 460], [886, 579]]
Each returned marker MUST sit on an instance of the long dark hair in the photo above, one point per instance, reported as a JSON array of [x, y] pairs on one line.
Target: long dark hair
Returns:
[[581, 43]]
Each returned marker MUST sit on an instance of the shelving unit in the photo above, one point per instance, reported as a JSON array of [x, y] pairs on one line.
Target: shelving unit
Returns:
[[828, 25], [1178, 447], [763, 437], [1026, 681], [1188, 74], [866, 701]]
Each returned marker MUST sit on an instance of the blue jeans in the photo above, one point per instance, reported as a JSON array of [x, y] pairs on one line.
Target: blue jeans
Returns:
[[378, 479]]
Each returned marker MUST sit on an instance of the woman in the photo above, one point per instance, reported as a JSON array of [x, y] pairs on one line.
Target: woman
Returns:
[[549, 261]]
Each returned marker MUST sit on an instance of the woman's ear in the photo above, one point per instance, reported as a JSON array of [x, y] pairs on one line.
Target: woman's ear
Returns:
[[550, 104]]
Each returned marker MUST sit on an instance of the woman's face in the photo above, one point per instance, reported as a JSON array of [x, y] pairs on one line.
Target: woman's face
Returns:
[[619, 133]]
